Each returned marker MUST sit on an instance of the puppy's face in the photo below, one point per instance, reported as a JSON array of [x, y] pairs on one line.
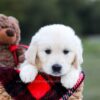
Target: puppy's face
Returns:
[[55, 55], [55, 50]]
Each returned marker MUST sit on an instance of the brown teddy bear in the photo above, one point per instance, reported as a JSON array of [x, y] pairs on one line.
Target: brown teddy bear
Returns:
[[11, 53], [9, 40]]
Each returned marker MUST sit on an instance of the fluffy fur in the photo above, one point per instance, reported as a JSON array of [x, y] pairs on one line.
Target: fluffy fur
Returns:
[[54, 45], [10, 35]]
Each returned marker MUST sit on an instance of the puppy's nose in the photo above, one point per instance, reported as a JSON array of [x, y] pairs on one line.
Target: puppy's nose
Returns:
[[56, 68], [10, 33]]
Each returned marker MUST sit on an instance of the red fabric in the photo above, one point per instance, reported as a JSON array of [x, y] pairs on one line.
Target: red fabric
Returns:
[[39, 87], [13, 49], [79, 81], [1, 44]]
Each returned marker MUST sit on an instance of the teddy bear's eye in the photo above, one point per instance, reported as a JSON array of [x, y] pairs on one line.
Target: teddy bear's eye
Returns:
[[65, 51], [48, 51]]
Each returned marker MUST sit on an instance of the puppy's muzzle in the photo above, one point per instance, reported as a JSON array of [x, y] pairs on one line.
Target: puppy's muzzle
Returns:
[[56, 68]]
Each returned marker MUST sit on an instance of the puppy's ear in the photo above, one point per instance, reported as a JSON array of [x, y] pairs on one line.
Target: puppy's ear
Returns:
[[31, 53], [78, 59], [74, 63]]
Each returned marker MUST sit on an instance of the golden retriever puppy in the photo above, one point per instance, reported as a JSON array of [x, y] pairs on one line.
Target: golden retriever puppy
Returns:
[[55, 50]]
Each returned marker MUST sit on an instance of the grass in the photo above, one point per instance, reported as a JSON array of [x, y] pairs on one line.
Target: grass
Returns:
[[92, 68]]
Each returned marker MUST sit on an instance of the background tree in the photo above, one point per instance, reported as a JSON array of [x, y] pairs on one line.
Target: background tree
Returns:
[[82, 15]]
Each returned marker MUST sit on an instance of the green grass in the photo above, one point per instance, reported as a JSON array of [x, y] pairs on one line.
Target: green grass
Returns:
[[92, 69]]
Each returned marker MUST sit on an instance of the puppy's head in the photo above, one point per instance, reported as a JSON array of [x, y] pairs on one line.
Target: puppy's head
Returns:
[[55, 49]]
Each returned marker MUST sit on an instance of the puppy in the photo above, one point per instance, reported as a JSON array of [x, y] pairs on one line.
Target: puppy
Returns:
[[55, 50]]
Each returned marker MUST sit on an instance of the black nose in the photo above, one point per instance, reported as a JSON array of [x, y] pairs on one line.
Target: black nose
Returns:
[[56, 68], [10, 33]]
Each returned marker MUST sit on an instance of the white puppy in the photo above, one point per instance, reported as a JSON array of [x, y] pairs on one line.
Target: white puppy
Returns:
[[55, 50]]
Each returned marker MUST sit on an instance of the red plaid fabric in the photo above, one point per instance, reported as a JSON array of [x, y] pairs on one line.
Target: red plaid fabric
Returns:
[[45, 87]]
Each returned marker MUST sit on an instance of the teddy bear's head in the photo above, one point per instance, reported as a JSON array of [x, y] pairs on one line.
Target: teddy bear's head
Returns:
[[9, 30]]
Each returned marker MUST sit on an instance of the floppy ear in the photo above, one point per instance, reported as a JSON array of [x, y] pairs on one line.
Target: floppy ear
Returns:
[[74, 63], [78, 59], [31, 53]]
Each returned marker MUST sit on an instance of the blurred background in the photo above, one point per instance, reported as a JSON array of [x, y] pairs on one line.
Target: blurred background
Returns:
[[82, 15]]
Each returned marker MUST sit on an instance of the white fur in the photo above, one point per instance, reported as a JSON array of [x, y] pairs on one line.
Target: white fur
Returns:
[[27, 72], [55, 37], [70, 79]]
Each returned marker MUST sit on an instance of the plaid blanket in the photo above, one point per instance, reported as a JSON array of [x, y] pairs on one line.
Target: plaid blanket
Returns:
[[44, 87]]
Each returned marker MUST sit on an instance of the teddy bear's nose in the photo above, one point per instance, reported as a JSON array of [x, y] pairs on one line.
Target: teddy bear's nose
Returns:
[[10, 33]]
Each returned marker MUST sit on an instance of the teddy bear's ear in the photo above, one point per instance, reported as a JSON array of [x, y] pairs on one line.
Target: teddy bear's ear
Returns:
[[3, 20], [3, 17], [31, 53], [13, 21]]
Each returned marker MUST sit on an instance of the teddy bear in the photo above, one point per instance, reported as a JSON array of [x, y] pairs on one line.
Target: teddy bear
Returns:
[[11, 53], [9, 41]]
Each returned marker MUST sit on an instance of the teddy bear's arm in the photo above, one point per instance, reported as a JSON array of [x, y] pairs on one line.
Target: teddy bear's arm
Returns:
[[20, 54]]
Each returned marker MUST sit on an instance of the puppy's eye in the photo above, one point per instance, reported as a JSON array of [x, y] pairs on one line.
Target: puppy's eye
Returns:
[[48, 51], [65, 51]]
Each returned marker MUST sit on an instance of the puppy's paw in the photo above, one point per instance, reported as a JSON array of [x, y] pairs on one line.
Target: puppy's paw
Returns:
[[69, 80], [28, 73]]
